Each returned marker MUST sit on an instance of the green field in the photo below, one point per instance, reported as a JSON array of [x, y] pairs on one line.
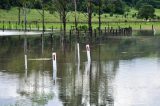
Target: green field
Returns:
[[34, 15], [115, 21]]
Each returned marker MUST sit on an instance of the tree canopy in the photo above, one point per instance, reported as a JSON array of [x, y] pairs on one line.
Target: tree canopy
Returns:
[[146, 11], [110, 6]]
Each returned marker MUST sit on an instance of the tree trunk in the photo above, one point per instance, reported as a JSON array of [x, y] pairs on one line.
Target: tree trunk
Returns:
[[43, 21], [64, 25], [90, 17], [25, 18], [19, 15], [99, 16], [75, 4], [43, 30]]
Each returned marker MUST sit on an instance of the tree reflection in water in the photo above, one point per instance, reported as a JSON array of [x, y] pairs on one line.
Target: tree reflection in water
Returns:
[[77, 82]]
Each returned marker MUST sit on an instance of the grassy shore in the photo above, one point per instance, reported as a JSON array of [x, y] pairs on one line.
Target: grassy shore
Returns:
[[114, 21]]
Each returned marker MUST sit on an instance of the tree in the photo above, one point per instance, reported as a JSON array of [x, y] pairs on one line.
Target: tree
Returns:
[[25, 4], [114, 6], [146, 11], [119, 6], [17, 3], [90, 17], [62, 7], [140, 3], [41, 5], [98, 7]]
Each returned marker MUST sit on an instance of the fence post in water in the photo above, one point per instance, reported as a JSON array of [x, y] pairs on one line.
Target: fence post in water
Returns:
[[44, 28], [152, 28], [88, 53], [113, 32], [26, 66], [54, 61], [70, 37], [70, 32], [9, 25], [116, 32], [95, 33], [105, 31], [101, 32], [51, 38], [78, 51], [78, 35], [108, 29]]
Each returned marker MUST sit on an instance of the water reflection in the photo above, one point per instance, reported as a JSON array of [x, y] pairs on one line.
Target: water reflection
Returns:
[[120, 71], [141, 83]]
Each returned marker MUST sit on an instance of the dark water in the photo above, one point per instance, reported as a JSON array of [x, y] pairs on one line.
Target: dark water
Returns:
[[123, 72]]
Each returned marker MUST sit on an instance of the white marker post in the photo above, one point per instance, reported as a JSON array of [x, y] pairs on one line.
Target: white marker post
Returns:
[[88, 53], [25, 59], [78, 52], [54, 61]]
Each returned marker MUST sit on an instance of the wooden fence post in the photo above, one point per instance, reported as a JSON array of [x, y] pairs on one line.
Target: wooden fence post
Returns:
[[3, 26]]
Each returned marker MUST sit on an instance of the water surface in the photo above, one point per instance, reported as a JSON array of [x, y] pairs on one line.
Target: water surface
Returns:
[[123, 72]]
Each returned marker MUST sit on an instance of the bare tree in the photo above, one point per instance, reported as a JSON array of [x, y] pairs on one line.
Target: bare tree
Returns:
[[25, 3], [90, 17], [42, 13], [61, 7], [99, 12], [75, 7]]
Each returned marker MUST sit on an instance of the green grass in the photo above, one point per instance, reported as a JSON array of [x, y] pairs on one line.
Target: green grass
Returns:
[[157, 12], [34, 15]]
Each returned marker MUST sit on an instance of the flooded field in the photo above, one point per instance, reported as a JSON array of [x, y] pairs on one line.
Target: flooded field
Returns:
[[122, 72]]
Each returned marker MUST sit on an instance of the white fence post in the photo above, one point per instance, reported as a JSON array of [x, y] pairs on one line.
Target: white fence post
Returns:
[[26, 65], [54, 62], [88, 53], [78, 50]]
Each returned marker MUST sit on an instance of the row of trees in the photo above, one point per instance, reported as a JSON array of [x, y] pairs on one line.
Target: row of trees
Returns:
[[110, 6], [115, 6]]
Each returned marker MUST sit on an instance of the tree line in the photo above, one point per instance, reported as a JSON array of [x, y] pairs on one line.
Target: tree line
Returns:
[[107, 6]]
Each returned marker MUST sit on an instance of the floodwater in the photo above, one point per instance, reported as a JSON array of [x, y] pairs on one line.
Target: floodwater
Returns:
[[123, 72], [15, 33]]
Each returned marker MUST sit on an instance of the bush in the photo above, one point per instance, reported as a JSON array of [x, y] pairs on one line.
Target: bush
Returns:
[[111, 14], [146, 11], [158, 17], [83, 27]]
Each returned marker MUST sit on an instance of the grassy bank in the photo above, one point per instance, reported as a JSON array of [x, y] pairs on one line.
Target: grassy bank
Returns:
[[115, 21]]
